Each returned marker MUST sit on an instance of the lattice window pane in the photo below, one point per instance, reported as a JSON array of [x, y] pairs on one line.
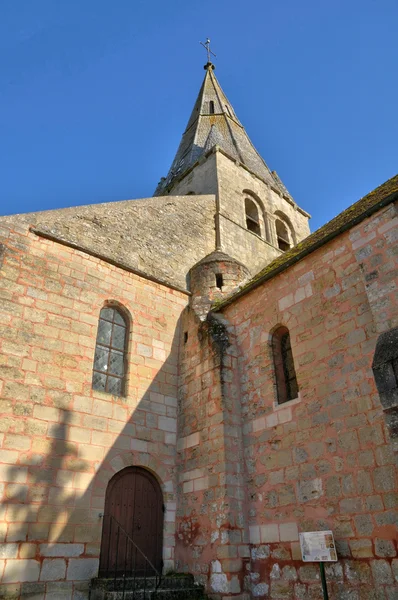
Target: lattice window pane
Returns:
[[104, 332], [119, 319], [118, 337], [99, 381], [101, 359], [110, 352], [107, 314], [116, 363], [114, 385]]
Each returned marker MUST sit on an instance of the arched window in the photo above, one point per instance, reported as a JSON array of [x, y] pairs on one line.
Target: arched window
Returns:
[[109, 370], [285, 374], [282, 235], [252, 218], [211, 107]]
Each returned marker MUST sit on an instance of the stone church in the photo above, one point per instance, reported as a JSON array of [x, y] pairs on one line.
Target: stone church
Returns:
[[190, 381]]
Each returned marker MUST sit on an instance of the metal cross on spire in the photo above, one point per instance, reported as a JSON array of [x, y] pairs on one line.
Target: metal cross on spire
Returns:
[[207, 47]]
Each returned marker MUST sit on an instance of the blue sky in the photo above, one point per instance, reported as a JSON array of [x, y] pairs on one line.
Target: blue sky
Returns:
[[95, 94]]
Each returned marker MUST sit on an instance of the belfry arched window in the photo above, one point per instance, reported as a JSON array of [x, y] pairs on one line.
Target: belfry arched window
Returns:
[[109, 370], [211, 107], [282, 235], [285, 374], [252, 216]]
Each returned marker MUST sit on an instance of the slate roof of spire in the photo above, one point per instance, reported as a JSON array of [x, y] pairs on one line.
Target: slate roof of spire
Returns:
[[206, 129]]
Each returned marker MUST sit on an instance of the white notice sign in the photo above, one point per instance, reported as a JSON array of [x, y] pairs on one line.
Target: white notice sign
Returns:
[[318, 546]]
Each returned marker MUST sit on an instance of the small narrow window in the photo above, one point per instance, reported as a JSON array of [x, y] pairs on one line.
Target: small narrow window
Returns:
[[109, 370], [252, 218], [185, 337], [285, 374], [219, 281], [282, 235], [211, 107]]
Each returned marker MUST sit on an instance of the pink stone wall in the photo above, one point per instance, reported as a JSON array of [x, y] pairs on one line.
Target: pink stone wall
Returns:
[[212, 540], [249, 474], [61, 441], [323, 460]]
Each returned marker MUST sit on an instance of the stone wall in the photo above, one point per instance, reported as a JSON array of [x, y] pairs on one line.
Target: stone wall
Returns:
[[212, 530], [375, 244], [202, 179], [61, 441], [325, 459], [234, 183], [218, 174]]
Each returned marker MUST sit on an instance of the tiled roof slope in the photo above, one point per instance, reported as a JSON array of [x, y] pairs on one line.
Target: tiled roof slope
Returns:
[[158, 238], [222, 128], [381, 196]]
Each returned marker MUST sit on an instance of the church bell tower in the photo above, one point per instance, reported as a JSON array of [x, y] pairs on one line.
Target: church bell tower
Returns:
[[256, 218]]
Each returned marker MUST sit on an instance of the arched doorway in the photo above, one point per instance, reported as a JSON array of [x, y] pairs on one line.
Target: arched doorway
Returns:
[[133, 524]]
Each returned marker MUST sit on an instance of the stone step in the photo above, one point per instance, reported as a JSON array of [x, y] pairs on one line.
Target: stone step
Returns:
[[180, 587], [160, 594], [138, 583]]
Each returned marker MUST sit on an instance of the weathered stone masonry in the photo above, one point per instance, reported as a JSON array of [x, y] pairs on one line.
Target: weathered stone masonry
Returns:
[[324, 460], [62, 441], [240, 474]]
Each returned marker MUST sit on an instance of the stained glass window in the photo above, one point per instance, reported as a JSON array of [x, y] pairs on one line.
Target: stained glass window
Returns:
[[109, 369]]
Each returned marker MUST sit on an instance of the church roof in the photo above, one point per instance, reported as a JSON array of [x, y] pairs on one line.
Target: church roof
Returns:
[[218, 256], [157, 238], [213, 122]]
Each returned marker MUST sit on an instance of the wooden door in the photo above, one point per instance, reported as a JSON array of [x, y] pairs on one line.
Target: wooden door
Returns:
[[133, 511]]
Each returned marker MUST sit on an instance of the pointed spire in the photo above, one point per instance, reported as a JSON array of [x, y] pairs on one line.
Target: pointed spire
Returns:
[[213, 122]]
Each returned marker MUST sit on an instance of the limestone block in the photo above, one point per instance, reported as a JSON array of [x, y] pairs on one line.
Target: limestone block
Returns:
[[269, 533], [309, 490], [53, 569], [33, 590], [384, 548], [288, 532], [381, 570], [21, 570], [60, 590], [62, 550], [82, 568], [260, 589], [168, 424], [219, 583], [8, 550], [27, 550], [361, 548], [254, 534]]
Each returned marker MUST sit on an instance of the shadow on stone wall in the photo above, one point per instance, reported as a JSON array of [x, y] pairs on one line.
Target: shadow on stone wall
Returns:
[[55, 504]]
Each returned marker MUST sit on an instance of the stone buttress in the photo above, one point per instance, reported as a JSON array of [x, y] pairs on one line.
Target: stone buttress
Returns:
[[212, 535]]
